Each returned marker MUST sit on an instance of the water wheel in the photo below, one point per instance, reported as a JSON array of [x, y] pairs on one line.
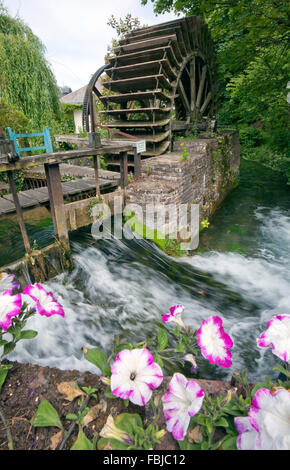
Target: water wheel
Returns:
[[162, 80]]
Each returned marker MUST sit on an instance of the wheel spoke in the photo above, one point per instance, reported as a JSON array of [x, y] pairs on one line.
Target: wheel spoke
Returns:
[[193, 85], [201, 86], [206, 103], [183, 96]]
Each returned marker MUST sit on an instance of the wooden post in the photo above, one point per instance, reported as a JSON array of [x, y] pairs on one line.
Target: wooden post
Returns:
[[123, 169], [56, 202], [19, 211], [137, 163], [96, 168]]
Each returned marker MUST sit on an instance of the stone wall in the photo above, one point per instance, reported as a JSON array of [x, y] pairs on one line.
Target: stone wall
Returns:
[[198, 171]]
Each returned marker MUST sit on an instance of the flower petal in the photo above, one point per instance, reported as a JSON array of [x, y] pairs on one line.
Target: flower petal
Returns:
[[134, 373], [46, 304], [183, 400], [7, 282], [277, 337], [10, 306], [215, 342]]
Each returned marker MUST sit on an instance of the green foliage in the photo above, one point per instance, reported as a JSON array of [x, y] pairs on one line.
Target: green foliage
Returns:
[[10, 116], [82, 442], [99, 359], [27, 82], [16, 332], [122, 27], [46, 415], [129, 433]]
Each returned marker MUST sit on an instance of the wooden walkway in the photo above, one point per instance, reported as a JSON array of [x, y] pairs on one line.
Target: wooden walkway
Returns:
[[35, 197]]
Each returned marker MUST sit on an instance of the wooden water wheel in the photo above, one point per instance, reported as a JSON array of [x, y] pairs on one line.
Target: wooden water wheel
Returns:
[[162, 80]]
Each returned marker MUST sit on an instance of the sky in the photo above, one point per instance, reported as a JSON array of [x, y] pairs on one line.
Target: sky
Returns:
[[75, 32]]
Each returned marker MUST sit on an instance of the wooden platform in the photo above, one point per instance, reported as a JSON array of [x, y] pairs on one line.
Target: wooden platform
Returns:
[[35, 197]]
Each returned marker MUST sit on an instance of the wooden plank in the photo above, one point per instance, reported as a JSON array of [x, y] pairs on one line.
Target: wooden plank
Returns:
[[140, 69], [136, 110], [25, 200], [145, 56], [158, 137], [59, 157], [139, 96], [143, 35], [6, 206], [136, 124], [139, 83], [141, 45]]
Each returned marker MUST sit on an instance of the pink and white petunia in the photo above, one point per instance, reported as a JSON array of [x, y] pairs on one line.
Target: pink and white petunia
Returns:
[[10, 306], [7, 282], [214, 342], [46, 304], [277, 337], [183, 401], [134, 374], [267, 427], [175, 315]]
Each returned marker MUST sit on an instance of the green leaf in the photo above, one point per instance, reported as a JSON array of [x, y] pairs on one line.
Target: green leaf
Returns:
[[200, 419], [8, 348], [229, 443], [128, 422], [222, 422], [71, 416], [82, 442], [109, 394], [28, 334], [257, 387], [3, 375], [99, 359], [114, 443], [283, 370], [158, 360], [162, 339], [46, 415]]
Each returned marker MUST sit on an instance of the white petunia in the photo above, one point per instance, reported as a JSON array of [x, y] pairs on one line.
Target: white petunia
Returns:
[[267, 426], [183, 401], [134, 374]]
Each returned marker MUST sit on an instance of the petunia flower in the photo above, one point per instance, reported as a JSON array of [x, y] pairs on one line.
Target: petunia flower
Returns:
[[134, 374], [277, 337], [7, 282], [267, 427], [175, 315], [215, 342], [190, 358], [46, 304], [183, 401], [10, 306], [110, 430]]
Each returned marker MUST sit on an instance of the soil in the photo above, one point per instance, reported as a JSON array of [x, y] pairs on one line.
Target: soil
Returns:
[[27, 385]]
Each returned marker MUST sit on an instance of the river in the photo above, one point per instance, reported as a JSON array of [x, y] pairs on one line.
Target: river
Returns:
[[240, 272]]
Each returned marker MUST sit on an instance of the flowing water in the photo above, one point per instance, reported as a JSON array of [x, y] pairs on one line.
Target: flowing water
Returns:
[[240, 272]]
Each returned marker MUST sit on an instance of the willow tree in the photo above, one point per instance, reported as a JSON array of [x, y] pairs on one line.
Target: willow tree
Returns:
[[26, 80]]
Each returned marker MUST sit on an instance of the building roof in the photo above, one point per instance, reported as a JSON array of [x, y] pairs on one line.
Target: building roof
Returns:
[[77, 97]]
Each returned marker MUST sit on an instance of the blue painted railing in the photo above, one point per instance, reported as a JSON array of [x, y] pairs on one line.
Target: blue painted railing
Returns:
[[47, 145]]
